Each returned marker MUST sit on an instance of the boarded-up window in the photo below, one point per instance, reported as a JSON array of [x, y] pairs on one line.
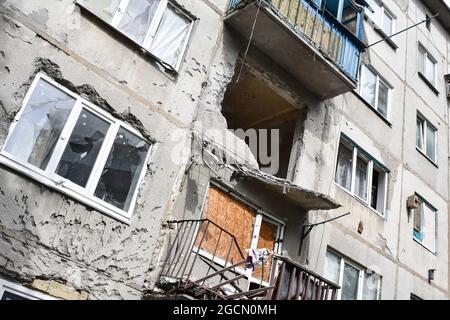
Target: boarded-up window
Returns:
[[234, 217], [238, 220]]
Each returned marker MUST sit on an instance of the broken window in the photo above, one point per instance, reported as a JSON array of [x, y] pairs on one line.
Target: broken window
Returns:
[[269, 124], [356, 282], [83, 148], [157, 25], [121, 173], [361, 175], [41, 123], [375, 91], [426, 137], [425, 225], [61, 140]]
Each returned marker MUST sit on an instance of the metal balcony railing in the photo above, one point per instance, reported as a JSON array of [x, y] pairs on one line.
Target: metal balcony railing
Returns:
[[294, 282], [205, 261], [321, 30]]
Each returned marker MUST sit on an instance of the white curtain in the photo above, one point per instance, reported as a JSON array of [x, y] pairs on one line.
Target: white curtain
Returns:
[[171, 36], [361, 179], [137, 18], [344, 167]]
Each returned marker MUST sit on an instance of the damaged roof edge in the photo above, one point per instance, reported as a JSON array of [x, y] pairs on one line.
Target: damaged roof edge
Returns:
[[306, 199]]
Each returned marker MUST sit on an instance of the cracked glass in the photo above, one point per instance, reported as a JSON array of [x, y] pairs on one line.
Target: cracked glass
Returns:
[[122, 170], [83, 148], [40, 126]]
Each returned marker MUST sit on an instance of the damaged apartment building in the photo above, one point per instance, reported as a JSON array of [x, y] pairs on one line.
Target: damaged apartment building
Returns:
[[224, 149]]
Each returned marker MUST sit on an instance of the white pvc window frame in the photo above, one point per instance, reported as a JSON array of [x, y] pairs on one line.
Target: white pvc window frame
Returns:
[[423, 203], [423, 53], [364, 70], [21, 291], [153, 28], [423, 149], [384, 11], [361, 277], [358, 154], [49, 176]]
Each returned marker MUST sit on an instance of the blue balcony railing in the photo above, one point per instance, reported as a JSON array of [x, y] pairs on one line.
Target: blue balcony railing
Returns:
[[320, 29]]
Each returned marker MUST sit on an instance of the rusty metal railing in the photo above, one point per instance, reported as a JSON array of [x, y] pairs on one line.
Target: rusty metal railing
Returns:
[[205, 256], [295, 282]]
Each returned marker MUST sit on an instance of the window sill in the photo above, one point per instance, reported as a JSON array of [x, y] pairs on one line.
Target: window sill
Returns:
[[20, 169], [427, 157], [379, 214], [372, 108], [424, 246], [428, 83], [389, 41]]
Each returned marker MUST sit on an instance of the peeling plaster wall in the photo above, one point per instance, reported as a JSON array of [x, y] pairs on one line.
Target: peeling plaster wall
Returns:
[[45, 235]]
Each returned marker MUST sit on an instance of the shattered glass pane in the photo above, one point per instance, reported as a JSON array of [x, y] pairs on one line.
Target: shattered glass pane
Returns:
[[137, 18], [83, 148], [103, 8], [40, 125], [120, 176]]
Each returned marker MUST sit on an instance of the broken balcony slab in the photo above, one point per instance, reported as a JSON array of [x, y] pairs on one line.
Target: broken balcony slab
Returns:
[[298, 196], [317, 50]]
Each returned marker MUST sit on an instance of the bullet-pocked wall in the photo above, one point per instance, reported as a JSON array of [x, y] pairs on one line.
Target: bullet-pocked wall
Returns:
[[47, 235]]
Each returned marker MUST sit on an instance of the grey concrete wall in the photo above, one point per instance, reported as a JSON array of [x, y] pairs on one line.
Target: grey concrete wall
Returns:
[[47, 235], [386, 243]]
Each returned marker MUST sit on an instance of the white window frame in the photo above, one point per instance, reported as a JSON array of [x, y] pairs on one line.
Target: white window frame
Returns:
[[357, 152], [7, 286], [49, 177], [361, 277], [426, 55], [153, 28], [379, 79], [423, 202], [383, 11], [423, 149]]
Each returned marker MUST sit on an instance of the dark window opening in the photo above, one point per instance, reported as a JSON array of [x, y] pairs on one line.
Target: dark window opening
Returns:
[[267, 121]]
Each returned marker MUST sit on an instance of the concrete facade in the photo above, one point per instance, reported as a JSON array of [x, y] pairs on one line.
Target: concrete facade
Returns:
[[49, 240]]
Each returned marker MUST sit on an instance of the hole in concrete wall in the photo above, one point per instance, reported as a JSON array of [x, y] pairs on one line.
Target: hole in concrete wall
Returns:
[[252, 104]]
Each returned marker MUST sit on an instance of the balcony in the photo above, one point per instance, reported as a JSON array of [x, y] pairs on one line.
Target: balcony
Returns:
[[320, 44], [204, 261]]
